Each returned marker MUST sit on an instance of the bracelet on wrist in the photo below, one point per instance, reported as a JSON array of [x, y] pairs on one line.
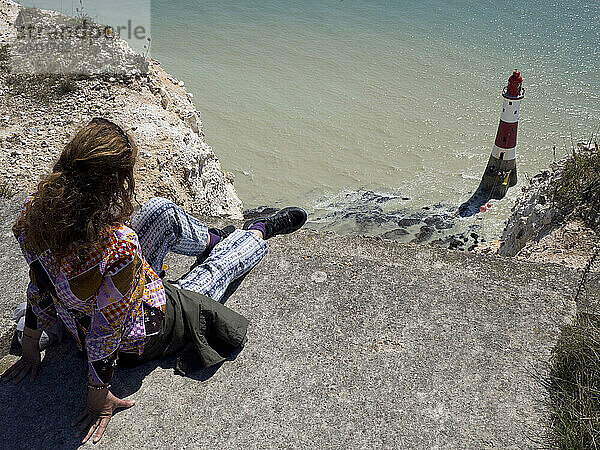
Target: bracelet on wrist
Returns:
[[98, 387]]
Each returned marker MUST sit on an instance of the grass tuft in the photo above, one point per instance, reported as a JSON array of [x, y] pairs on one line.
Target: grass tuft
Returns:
[[5, 190], [4, 56], [66, 86], [575, 386], [4, 53], [41, 87]]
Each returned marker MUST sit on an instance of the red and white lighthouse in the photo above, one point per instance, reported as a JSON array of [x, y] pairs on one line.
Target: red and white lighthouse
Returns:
[[501, 171]]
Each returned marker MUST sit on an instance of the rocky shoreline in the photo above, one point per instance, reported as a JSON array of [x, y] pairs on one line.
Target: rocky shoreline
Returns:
[[539, 229]]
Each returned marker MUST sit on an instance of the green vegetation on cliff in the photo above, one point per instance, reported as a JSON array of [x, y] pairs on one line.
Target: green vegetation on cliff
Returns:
[[575, 366], [575, 385], [4, 53], [41, 87], [579, 188]]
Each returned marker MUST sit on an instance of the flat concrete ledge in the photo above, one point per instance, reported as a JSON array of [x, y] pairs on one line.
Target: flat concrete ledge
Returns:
[[14, 271], [7, 331], [353, 342]]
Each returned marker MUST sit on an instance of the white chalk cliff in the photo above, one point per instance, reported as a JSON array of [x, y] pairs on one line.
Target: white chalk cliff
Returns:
[[38, 115]]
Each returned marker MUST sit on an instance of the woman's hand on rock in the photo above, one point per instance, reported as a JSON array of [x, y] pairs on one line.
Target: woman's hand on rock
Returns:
[[93, 420], [29, 363]]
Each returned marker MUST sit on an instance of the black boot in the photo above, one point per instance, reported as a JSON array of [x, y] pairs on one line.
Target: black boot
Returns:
[[284, 221], [222, 233]]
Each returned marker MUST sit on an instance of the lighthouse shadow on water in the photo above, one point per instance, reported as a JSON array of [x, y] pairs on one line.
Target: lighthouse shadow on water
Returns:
[[501, 171]]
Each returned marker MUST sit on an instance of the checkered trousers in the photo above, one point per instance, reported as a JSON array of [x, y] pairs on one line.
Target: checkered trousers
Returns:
[[164, 227]]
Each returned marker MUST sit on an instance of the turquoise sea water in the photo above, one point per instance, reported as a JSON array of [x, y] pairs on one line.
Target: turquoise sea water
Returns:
[[307, 101]]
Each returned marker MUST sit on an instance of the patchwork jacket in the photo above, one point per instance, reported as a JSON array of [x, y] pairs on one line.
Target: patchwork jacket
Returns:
[[111, 303]]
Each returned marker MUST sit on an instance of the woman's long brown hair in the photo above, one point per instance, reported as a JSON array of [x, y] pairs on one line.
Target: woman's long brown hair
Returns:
[[89, 190]]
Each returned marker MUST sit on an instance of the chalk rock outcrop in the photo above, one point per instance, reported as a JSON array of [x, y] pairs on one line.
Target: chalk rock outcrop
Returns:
[[534, 214], [539, 230], [41, 111]]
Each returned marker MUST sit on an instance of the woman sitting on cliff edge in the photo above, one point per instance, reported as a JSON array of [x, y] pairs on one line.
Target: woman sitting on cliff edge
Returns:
[[97, 272]]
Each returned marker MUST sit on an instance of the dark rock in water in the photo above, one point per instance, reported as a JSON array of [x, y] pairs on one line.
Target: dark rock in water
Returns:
[[395, 234], [455, 244], [363, 211], [425, 233], [409, 221], [450, 242], [381, 199], [433, 220], [466, 240], [261, 211], [439, 222], [365, 219], [373, 197]]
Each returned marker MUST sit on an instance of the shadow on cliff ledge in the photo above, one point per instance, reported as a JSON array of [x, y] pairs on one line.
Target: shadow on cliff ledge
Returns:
[[39, 412]]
